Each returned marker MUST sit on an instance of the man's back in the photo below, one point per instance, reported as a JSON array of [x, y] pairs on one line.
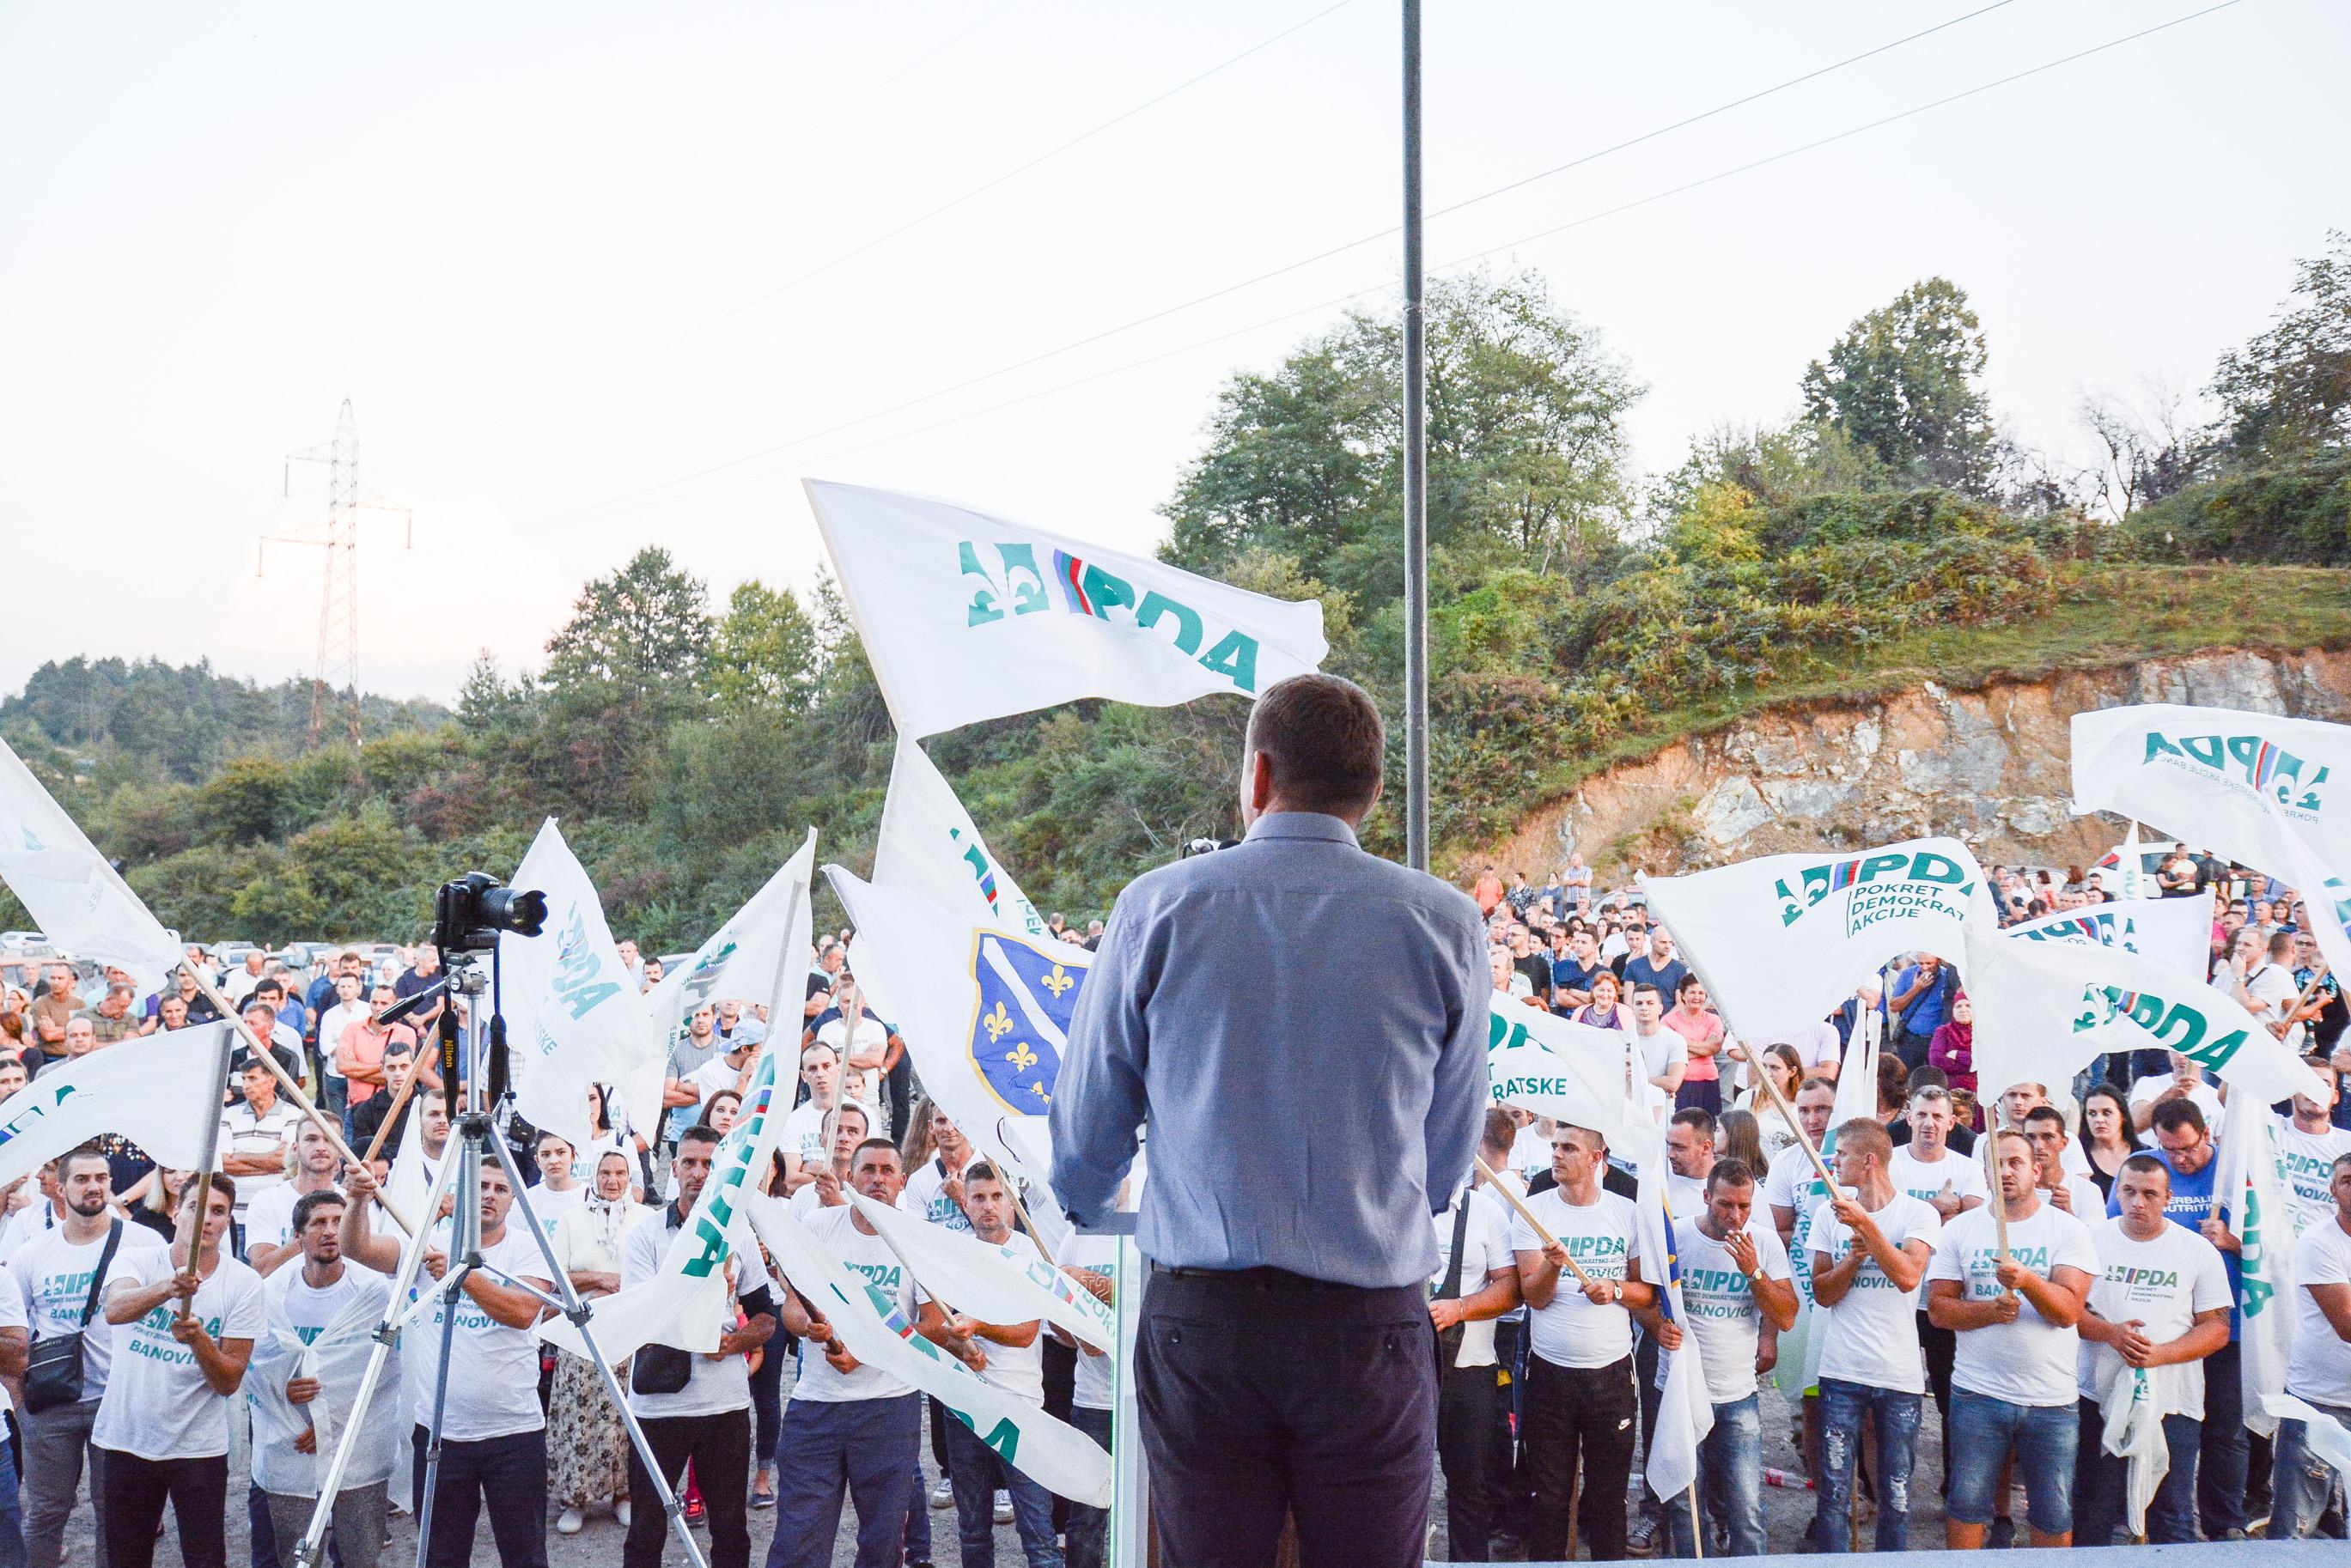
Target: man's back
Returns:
[[1306, 1023]]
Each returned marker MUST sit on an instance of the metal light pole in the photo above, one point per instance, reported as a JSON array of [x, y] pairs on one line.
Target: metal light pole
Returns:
[[1416, 470]]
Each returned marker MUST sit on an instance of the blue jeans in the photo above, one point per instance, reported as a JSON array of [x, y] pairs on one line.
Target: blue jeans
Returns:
[[976, 1470], [1089, 1526], [2300, 1481], [1730, 1481], [2101, 1480], [864, 1448], [1843, 1405], [1982, 1430], [509, 1473], [12, 1516]]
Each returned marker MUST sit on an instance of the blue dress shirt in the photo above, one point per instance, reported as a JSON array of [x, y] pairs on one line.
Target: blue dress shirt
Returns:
[[1303, 1025]]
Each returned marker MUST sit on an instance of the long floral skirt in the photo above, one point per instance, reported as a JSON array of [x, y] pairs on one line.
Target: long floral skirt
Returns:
[[587, 1446]]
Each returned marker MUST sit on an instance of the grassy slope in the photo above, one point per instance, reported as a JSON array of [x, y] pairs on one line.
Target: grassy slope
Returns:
[[2114, 616]]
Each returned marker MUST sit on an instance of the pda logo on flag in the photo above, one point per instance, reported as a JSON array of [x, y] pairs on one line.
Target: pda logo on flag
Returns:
[[1892, 885], [2244, 785], [2174, 932], [2261, 768], [1023, 996]]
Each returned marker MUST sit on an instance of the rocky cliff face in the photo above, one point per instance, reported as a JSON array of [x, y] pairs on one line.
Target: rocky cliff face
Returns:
[[1991, 765]]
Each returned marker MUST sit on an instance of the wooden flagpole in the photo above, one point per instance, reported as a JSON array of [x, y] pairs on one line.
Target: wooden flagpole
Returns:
[[1528, 1214]]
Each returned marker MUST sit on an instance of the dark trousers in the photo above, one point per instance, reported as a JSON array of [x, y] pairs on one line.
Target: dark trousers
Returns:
[[1466, 1397], [1941, 1347], [1264, 1399], [1706, 1095], [2221, 1447], [2101, 1483], [1089, 1526], [864, 1448], [720, 1449], [1644, 1389], [767, 1399], [1579, 1418], [510, 1472], [136, 1489], [1061, 1394], [901, 1079]]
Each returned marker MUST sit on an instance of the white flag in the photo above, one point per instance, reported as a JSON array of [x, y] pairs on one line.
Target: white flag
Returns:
[[2176, 933], [2043, 1010], [985, 1012], [2250, 1187], [967, 615], [573, 1015], [759, 955], [1856, 1080], [2207, 774], [1052, 1453], [1007, 1284], [1782, 940], [151, 1089], [1565, 1071], [1685, 1413], [2131, 887], [2328, 1438], [77, 899], [928, 847], [2133, 1432]]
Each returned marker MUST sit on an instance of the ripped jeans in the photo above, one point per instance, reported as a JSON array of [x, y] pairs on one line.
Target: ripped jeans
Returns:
[[1843, 1407], [2300, 1482]]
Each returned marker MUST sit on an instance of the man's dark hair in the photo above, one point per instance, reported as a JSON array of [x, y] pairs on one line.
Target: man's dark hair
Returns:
[[1927, 1073], [701, 1132], [981, 1170], [1501, 1129], [1652, 989], [1323, 737], [2145, 1165], [2173, 1115], [2046, 1113], [1696, 1116], [270, 984], [857, 1153], [309, 1203], [89, 1150], [1730, 1171]]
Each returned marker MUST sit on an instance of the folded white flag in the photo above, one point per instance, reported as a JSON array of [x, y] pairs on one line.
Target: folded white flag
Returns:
[[2249, 1189], [2207, 774], [2327, 1437], [160, 1091], [1052, 1453], [573, 1014], [2176, 933], [338, 1358], [1565, 1071], [1783, 939], [929, 847], [967, 615], [78, 900], [1007, 1284], [759, 955], [1684, 1411], [2133, 1432]]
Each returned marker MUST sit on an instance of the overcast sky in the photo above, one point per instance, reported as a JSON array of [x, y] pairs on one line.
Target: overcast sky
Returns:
[[555, 255]]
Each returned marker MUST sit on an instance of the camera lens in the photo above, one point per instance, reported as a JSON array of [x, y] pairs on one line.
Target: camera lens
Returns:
[[512, 910]]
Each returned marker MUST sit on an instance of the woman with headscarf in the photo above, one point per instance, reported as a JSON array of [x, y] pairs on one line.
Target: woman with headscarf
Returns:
[[587, 1443], [1953, 1048]]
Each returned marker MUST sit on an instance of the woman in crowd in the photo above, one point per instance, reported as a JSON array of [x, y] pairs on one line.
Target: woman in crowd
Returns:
[[1603, 1011], [1738, 1135], [156, 1198], [720, 1111], [1953, 1047], [587, 1444], [1787, 1070], [2106, 1135]]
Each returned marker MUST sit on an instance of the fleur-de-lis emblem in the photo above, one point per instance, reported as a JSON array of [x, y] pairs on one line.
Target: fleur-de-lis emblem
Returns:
[[998, 1024], [1060, 980], [1020, 1057]]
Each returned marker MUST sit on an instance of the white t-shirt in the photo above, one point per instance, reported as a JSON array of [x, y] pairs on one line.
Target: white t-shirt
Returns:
[[872, 1039], [1871, 1336], [493, 1369], [803, 1135], [1792, 1183], [1530, 1152], [1812, 1046], [2310, 1170], [1660, 1053], [711, 1386], [2200, 1093], [2272, 985], [1925, 1180], [1485, 1247], [157, 1404], [269, 1218], [35, 1218], [872, 1257], [45, 1287], [1601, 1238], [2164, 1284], [1019, 1370], [712, 1076], [1093, 1386], [306, 1310], [1685, 1197], [551, 1206], [1719, 1304], [2318, 1369], [925, 1194], [2089, 1203], [331, 1024], [242, 1132], [2030, 1361]]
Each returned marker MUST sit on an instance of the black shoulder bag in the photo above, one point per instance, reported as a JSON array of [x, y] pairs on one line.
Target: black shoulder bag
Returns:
[[659, 1368], [53, 1370], [1449, 1341]]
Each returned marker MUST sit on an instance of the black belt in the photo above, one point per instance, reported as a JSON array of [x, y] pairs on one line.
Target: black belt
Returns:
[[1262, 1276]]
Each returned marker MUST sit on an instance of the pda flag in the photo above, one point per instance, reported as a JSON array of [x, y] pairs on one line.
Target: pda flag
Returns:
[[760, 954], [1007, 1284], [967, 615], [1782, 939], [2176, 933], [1685, 1412], [2044, 1009], [150, 1089], [985, 1012], [1568, 1072], [78, 900], [2210, 774], [1056, 1456], [929, 847], [573, 1015], [2250, 1187]]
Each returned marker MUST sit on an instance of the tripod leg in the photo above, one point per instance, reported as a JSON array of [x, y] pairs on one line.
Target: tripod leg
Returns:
[[575, 1311]]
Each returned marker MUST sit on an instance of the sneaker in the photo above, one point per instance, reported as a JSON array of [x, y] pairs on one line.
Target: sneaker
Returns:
[[1003, 1507], [943, 1495], [620, 1513], [1641, 1536], [763, 1491], [2001, 1535], [569, 1522]]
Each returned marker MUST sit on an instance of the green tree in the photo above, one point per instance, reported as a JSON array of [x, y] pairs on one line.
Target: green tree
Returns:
[[1901, 384], [2287, 393], [637, 638], [765, 656]]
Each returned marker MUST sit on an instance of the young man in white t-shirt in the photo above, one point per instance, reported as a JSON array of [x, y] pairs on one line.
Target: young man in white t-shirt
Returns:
[[1868, 1253], [829, 1189], [1580, 1407], [493, 1433], [45, 1293], [2013, 1384], [934, 1188], [270, 1240], [801, 1143], [1951, 1183], [183, 1331], [2159, 1306], [2310, 1143], [707, 1422], [2187, 1080], [2070, 1192], [2318, 1367], [1483, 1274], [1665, 1053], [1735, 1283]]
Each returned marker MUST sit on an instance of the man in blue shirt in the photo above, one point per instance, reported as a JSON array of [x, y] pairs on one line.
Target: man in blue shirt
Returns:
[[1924, 987], [1285, 1364], [1657, 966]]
